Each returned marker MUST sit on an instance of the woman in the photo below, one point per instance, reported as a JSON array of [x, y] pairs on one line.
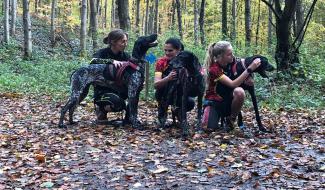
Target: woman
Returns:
[[107, 99], [228, 102], [172, 47]]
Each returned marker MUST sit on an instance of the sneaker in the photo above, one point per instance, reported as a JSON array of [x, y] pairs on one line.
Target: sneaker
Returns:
[[230, 123]]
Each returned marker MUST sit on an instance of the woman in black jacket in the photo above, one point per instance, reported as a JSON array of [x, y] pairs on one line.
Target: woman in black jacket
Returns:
[[109, 99]]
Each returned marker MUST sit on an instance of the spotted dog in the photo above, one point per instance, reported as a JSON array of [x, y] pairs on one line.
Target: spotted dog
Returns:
[[127, 79]]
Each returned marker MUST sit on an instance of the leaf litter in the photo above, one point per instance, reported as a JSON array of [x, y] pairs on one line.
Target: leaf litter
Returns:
[[36, 154]]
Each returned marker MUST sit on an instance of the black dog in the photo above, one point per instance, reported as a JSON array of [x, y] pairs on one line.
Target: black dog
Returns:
[[234, 70], [127, 78], [189, 83]]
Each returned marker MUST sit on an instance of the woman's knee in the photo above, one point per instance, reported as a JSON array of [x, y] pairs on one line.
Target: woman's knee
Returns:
[[239, 93]]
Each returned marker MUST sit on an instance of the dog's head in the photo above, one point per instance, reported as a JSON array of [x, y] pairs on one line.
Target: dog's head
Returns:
[[187, 60], [142, 44], [264, 66]]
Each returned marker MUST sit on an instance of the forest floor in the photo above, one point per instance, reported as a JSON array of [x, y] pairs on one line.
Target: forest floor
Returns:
[[36, 154]]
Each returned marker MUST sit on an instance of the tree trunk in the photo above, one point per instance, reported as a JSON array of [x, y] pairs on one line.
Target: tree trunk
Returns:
[[233, 21], [173, 15], [27, 30], [155, 27], [196, 24], [83, 28], [269, 28], [13, 17], [179, 18], [201, 22], [6, 21], [146, 19], [93, 23], [248, 28], [299, 19], [123, 14], [53, 12], [137, 16], [150, 19], [224, 19], [285, 53], [113, 14], [105, 14], [258, 22]]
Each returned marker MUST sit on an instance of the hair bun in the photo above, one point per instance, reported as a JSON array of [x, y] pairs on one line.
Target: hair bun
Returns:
[[106, 40]]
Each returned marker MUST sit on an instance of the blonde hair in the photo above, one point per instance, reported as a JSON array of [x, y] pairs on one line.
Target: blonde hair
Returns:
[[215, 52]]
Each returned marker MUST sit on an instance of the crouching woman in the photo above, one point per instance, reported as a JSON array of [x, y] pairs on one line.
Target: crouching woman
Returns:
[[223, 96]]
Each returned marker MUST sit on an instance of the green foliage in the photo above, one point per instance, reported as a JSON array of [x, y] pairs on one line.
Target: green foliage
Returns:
[[41, 76]]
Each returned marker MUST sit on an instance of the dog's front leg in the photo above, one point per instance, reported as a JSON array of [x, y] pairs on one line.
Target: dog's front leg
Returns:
[[199, 112], [134, 88]]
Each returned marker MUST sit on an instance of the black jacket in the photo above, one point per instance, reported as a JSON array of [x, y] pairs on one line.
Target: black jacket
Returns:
[[106, 53]]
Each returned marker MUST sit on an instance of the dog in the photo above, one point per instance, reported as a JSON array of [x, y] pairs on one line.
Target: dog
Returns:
[[233, 71], [189, 83], [127, 79]]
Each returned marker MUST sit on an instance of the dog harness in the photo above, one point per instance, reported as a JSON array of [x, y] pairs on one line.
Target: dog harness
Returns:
[[234, 66], [122, 68]]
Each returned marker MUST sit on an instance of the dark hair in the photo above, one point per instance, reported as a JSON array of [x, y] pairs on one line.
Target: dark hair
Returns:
[[176, 43], [115, 35]]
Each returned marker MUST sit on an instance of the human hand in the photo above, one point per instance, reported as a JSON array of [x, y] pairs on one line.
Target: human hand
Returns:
[[172, 75], [118, 63], [256, 63]]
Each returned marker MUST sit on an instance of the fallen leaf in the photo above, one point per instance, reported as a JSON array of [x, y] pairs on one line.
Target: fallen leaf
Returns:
[[160, 169], [40, 158]]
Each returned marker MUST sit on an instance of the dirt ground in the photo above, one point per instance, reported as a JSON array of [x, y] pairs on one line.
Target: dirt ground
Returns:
[[36, 154]]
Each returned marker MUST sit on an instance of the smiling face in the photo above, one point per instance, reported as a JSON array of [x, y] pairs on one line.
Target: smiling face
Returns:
[[170, 51], [120, 44]]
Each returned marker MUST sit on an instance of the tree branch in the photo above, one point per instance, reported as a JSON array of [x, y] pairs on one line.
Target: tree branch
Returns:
[[304, 26], [273, 10]]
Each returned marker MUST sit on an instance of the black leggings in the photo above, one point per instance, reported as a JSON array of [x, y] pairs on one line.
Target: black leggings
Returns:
[[116, 103]]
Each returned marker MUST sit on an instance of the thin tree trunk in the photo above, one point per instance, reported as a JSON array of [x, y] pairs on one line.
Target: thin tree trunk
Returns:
[[93, 23], [196, 24], [173, 15], [36, 6], [146, 18], [83, 29], [179, 18], [27, 30], [258, 22], [13, 17], [150, 19], [6, 21], [233, 21], [105, 14], [156, 17], [201, 22], [269, 28], [53, 13], [137, 16], [224, 19], [123, 14], [248, 28], [113, 20], [299, 19]]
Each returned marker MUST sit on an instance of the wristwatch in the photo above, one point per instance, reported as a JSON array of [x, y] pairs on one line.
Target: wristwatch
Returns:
[[249, 70]]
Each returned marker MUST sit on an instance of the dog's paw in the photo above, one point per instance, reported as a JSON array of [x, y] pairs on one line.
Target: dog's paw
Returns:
[[62, 126], [263, 129]]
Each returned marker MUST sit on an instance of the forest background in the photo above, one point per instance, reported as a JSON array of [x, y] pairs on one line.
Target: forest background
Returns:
[[62, 35], [43, 41]]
